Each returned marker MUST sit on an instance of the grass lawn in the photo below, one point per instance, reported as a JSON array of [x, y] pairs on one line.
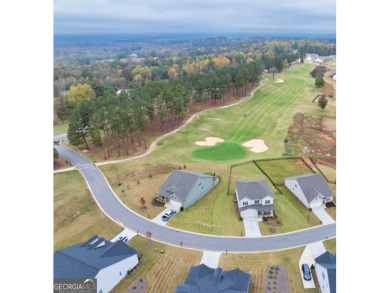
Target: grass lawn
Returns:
[[291, 212], [60, 128], [278, 170], [162, 272], [269, 114], [331, 212], [76, 215], [256, 264], [222, 151], [330, 245], [329, 172], [215, 213]]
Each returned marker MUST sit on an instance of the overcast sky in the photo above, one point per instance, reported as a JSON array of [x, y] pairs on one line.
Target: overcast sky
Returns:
[[195, 16]]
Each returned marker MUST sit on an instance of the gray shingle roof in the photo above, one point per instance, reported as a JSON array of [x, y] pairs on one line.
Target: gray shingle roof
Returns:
[[259, 207], [328, 261], [313, 185], [202, 279], [86, 259], [180, 183], [253, 189]]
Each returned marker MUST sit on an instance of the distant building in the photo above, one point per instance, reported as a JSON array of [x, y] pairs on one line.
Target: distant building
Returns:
[[98, 258], [311, 189], [202, 279], [311, 56], [325, 267], [133, 55], [254, 198], [184, 188]]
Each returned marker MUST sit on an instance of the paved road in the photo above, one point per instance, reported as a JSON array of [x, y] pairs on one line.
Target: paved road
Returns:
[[118, 212]]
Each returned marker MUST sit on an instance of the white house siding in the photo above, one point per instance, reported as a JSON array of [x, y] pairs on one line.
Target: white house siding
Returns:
[[174, 202], [202, 186], [322, 276], [267, 198], [296, 190], [110, 276]]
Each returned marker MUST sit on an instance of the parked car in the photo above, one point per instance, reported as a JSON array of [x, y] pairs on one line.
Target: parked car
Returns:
[[306, 272], [168, 215]]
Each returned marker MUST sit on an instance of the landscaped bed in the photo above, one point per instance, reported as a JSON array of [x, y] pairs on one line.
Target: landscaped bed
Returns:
[[277, 279]]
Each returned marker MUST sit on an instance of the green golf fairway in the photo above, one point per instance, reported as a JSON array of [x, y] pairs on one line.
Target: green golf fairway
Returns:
[[222, 151]]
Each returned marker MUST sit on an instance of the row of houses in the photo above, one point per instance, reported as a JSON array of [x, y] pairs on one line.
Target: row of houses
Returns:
[[255, 198], [108, 262], [321, 59]]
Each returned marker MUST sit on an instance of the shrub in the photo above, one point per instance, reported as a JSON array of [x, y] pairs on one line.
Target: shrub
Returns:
[[150, 175], [312, 266], [128, 272], [265, 219], [181, 209], [185, 167], [179, 168]]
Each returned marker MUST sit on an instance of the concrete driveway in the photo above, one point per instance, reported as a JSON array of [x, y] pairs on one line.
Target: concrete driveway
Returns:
[[211, 258], [158, 218], [311, 251], [125, 233], [252, 228], [321, 214]]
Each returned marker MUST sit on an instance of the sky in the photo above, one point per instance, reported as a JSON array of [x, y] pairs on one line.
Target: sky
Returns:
[[194, 16]]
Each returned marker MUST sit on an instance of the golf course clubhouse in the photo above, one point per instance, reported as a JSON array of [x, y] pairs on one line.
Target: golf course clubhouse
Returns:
[[184, 188]]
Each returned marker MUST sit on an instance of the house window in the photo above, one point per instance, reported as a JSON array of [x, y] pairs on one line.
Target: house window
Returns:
[[323, 275], [296, 185], [267, 201], [244, 203], [257, 201]]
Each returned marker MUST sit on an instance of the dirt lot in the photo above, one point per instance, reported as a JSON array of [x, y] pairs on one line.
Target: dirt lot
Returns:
[[314, 135]]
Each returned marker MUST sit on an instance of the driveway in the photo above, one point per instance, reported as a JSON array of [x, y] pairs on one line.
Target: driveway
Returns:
[[111, 205], [125, 233], [321, 214], [252, 228], [158, 218], [211, 258], [311, 251]]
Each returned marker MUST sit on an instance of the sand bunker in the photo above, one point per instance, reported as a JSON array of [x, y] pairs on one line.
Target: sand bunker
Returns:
[[209, 141], [280, 80], [256, 145]]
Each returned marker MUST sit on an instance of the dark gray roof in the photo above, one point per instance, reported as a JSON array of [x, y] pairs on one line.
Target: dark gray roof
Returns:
[[259, 207], [313, 185], [253, 189], [328, 261], [180, 183], [202, 279], [86, 259]]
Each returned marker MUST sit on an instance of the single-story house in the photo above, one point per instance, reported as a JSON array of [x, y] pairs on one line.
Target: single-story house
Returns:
[[325, 267], [96, 258], [254, 198], [184, 188], [202, 279], [311, 189]]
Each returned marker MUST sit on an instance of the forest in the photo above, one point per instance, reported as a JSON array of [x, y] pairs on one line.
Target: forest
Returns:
[[152, 86]]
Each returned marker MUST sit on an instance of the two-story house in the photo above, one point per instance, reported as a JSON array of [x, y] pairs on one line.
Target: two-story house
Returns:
[[254, 198]]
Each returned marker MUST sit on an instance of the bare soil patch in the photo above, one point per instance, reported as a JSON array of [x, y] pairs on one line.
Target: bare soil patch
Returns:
[[256, 145], [311, 137], [209, 141], [138, 286], [277, 280]]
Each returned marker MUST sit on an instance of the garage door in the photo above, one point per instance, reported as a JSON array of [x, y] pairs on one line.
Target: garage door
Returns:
[[175, 203], [252, 213], [316, 203]]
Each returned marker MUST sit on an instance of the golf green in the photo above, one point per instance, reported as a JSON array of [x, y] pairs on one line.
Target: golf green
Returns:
[[222, 151]]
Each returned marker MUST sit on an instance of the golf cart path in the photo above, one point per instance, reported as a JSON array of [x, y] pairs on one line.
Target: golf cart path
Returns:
[[153, 145], [112, 206]]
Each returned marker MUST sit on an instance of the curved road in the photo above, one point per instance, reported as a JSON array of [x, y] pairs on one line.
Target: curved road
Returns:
[[118, 212]]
